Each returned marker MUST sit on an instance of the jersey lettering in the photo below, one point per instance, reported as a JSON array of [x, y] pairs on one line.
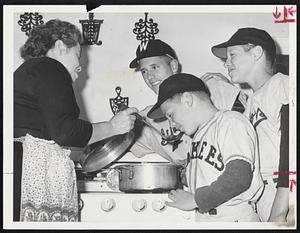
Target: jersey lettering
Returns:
[[257, 117], [194, 150], [209, 157], [168, 132], [220, 160], [211, 154], [202, 148]]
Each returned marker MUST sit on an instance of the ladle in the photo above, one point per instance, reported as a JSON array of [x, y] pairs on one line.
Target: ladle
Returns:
[[170, 139]]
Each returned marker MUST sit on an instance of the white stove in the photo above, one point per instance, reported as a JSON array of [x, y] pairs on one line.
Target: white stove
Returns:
[[128, 207], [101, 201]]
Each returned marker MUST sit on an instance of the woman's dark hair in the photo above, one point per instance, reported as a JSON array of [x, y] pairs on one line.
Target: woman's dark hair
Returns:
[[43, 37]]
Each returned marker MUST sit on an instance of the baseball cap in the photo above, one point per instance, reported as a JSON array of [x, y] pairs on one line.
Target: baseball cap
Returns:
[[176, 83], [244, 36], [152, 48]]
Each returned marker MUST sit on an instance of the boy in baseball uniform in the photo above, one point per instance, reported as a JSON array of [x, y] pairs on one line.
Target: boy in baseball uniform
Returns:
[[157, 60], [222, 166], [250, 58]]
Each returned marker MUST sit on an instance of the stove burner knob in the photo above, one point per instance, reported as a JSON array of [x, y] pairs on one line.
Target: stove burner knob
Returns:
[[108, 204], [159, 205], [139, 204]]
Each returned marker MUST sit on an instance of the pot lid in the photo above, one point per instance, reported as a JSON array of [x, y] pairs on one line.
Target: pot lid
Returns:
[[100, 154]]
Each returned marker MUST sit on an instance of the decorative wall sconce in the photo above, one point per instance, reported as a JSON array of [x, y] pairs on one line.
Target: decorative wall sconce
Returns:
[[145, 29], [115, 103], [29, 20], [90, 30]]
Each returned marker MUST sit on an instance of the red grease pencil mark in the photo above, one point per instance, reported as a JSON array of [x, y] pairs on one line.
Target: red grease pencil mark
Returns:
[[293, 182], [287, 14]]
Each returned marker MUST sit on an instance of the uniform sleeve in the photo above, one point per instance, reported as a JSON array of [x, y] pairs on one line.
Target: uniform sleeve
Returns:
[[58, 106], [223, 94], [141, 146], [283, 177], [274, 96], [149, 142], [237, 139], [235, 179]]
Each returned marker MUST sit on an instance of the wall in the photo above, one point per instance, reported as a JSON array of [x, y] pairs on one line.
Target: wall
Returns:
[[190, 34]]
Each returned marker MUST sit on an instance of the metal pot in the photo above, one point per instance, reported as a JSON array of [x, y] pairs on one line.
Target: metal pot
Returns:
[[148, 177], [100, 154]]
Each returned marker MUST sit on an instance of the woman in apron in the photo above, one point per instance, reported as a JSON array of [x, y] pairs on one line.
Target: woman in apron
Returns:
[[46, 120]]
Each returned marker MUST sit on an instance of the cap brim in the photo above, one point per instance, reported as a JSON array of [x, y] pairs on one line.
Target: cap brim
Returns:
[[220, 50], [155, 112], [133, 64]]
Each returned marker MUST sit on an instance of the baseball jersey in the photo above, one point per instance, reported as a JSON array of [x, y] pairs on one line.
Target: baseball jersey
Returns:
[[227, 136], [223, 96], [263, 111]]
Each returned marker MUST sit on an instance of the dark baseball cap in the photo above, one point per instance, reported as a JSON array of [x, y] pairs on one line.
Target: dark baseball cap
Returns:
[[152, 48], [175, 84], [244, 36]]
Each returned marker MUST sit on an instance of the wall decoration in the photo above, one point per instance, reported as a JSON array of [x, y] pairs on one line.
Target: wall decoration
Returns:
[[90, 30], [29, 20], [117, 102], [145, 29]]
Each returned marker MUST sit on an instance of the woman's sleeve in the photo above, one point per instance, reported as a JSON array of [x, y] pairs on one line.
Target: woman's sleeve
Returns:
[[58, 106]]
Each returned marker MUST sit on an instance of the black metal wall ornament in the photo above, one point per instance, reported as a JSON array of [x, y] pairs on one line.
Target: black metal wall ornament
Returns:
[[115, 103], [29, 20], [90, 30], [145, 29]]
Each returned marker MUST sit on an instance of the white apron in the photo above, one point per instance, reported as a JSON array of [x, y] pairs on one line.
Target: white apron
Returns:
[[49, 190]]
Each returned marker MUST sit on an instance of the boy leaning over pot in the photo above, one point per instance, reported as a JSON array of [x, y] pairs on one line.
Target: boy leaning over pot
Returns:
[[222, 170]]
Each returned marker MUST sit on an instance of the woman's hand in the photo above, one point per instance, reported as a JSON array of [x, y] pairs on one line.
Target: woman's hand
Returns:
[[182, 200], [120, 123], [123, 121]]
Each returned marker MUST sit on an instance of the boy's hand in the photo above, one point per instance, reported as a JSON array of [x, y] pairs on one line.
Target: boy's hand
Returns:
[[216, 76], [182, 200]]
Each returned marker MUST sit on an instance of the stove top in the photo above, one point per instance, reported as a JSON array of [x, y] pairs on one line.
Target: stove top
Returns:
[[105, 180]]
